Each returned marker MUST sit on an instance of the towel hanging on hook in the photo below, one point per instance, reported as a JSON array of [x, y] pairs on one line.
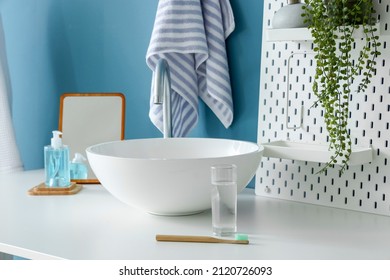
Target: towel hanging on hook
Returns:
[[191, 35]]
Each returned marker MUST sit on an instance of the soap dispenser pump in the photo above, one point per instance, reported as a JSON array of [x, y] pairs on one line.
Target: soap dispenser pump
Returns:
[[78, 169], [57, 173]]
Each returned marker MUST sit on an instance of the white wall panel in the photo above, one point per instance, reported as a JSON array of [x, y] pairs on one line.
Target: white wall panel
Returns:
[[286, 73]]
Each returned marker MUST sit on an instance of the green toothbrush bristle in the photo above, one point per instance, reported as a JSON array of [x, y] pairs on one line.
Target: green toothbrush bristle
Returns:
[[241, 237]]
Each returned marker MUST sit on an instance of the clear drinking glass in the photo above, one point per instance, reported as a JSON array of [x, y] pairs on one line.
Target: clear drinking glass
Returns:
[[224, 199]]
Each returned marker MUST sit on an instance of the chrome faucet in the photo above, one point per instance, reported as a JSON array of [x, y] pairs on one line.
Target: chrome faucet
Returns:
[[162, 94]]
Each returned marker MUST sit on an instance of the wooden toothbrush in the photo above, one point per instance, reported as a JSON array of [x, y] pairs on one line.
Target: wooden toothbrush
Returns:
[[240, 239]]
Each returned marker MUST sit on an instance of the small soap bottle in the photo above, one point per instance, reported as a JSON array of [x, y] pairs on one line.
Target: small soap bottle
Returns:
[[57, 171], [78, 169]]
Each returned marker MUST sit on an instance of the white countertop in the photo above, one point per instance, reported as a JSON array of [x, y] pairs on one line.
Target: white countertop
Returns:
[[94, 225]]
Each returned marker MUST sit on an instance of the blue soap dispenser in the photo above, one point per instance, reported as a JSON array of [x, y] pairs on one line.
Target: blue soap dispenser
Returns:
[[57, 171], [78, 170]]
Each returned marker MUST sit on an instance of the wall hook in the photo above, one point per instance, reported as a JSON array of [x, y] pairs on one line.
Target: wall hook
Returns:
[[288, 126]]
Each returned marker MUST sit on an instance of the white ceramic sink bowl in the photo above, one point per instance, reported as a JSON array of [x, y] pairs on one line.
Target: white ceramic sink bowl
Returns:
[[169, 176]]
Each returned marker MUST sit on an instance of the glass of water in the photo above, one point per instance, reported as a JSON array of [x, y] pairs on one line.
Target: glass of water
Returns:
[[224, 199]]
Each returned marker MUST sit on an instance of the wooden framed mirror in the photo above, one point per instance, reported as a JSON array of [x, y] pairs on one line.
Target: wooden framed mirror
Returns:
[[87, 119]]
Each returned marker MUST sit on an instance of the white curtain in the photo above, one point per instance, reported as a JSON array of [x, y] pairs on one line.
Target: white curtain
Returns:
[[9, 154]]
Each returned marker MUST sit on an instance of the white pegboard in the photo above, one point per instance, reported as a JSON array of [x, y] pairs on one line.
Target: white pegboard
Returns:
[[287, 68]]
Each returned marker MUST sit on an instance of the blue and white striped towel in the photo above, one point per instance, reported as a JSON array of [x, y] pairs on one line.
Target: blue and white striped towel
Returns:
[[190, 35]]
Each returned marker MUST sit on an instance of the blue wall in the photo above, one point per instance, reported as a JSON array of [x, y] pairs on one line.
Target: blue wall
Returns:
[[57, 46]]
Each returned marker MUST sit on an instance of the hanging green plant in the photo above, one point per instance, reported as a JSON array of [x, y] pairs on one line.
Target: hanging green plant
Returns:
[[332, 24]]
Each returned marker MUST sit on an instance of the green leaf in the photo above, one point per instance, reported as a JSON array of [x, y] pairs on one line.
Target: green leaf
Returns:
[[335, 70]]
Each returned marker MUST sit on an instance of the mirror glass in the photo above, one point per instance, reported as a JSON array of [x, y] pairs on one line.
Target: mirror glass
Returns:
[[87, 119]]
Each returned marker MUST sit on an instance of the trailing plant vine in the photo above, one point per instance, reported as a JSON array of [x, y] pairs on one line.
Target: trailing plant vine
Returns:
[[332, 24]]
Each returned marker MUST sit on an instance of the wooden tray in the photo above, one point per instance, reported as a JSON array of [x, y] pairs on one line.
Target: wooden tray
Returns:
[[42, 189]]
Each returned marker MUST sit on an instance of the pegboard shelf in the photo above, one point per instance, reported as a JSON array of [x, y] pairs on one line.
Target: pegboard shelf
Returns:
[[303, 34], [312, 152], [289, 34], [286, 113]]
